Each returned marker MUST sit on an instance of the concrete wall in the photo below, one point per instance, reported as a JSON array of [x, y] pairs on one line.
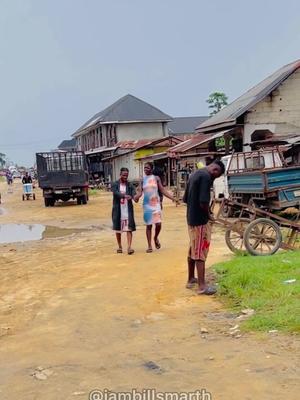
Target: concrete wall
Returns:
[[137, 131], [280, 112], [128, 162]]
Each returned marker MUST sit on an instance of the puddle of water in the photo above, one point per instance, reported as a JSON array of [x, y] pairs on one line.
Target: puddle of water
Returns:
[[11, 233]]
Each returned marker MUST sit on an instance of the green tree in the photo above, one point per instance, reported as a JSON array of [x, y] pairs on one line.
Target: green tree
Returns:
[[2, 160], [216, 101]]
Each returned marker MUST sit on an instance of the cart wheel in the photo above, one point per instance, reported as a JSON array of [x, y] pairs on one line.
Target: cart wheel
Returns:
[[33, 196], [234, 235], [23, 197], [262, 237]]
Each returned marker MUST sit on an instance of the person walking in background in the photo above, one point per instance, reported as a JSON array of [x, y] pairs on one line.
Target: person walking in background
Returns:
[[197, 199], [150, 187], [122, 211], [9, 177], [26, 178]]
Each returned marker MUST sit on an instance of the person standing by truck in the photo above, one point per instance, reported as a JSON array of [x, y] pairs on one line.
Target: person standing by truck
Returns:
[[197, 199], [122, 211]]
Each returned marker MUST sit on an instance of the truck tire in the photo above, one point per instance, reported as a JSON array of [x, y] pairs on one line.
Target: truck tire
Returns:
[[46, 201], [84, 199], [262, 237], [52, 202], [78, 200]]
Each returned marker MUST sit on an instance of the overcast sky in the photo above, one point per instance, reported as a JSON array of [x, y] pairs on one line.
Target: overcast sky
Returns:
[[61, 61]]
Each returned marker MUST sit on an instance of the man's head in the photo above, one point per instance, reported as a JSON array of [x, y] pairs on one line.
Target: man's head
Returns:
[[148, 168], [216, 169], [26, 174], [124, 172]]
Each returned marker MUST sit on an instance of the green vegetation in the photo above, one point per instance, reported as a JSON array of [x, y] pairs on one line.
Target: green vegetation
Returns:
[[93, 192], [2, 160], [216, 101], [258, 283]]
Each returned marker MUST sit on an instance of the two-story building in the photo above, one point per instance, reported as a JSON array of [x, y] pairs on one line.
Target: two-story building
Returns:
[[129, 118]]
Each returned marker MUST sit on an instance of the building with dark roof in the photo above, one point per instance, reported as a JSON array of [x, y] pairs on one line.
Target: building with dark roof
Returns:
[[67, 145], [269, 109], [129, 118], [185, 126]]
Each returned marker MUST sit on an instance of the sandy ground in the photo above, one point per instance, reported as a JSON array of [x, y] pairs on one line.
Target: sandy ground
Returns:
[[75, 316]]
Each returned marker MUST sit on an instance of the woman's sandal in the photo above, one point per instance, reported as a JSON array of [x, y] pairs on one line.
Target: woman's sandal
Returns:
[[119, 251], [191, 284], [149, 250], [130, 251], [157, 244]]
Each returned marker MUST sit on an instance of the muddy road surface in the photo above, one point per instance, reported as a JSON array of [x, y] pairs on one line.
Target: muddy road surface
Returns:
[[76, 317]]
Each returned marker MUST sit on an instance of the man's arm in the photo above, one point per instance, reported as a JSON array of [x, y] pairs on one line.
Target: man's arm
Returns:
[[204, 194], [185, 196]]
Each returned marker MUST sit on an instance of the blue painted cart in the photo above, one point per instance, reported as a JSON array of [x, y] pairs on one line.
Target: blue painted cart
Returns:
[[273, 189], [28, 191]]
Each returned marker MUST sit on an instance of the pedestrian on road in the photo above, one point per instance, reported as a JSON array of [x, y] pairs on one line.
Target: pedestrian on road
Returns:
[[152, 187], [122, 211], [26, 178], [9, 177], [199, 220]]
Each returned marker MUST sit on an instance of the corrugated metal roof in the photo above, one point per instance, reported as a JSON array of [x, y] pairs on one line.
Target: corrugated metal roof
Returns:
[[127, 109], [100, 150], [229, 114], [185, 125], [195, 141], [134, 145], [292, 138]]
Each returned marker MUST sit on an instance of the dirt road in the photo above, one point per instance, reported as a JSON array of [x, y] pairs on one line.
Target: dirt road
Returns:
[[75, 316]]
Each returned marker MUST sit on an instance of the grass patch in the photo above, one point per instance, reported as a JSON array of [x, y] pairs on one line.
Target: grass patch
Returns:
[[93, 192], [258, 283]]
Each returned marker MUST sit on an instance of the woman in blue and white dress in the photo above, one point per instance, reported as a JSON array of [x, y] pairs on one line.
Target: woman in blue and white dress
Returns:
[[150, 187]]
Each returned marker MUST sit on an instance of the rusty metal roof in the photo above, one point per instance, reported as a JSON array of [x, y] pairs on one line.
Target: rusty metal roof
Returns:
[[195, 141], [229, 114], [134, 145]]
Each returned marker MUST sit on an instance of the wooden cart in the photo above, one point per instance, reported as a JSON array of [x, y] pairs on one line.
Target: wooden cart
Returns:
[[256, 231]]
